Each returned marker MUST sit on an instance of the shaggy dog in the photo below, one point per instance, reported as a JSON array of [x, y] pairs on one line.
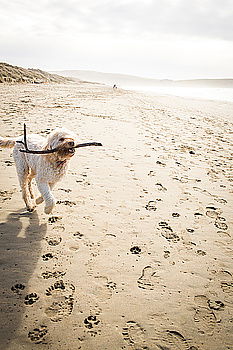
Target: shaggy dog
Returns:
[[47, 169]]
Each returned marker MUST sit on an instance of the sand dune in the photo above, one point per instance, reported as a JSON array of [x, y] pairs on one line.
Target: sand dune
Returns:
[[15, 74], [138, 252]]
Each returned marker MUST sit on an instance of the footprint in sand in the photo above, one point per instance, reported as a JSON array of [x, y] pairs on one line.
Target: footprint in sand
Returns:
[[31, 299], [91, 322], [55, 274], [185, 179], [206, 320], [224, 279], [62, 301], [102, 288], [216, 304], [67, 190], [69, 203], [160, 187], [172, 340], [166, 254], [74, 247], [219, 223], [204, 317], [227, 285], [219, 200], [148, 279], [190, 230], [9, 162], [135, 250], [167, 232], [201, 300], [17, 288], [54, 219], [201, 252], [53, 241], [175, 215], [6, 194], [58, 286], [160, 163], [135, 335], [78, 235], [213, 212], [151, 205], [47, 256], [37, 335], [111, 285], [216, 198]]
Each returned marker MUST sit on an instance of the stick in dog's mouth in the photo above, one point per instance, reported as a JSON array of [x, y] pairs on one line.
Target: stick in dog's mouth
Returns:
[[69, 150]]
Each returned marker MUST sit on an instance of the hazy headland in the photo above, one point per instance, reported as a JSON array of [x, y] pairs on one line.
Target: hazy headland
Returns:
[[130, 80]]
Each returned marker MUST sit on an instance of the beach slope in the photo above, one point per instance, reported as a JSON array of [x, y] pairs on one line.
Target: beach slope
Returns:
[[138, 251]]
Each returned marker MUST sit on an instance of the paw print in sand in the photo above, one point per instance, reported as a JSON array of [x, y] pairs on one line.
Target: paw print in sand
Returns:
[[91, 321], [135, 250], [17, 288], [37, 334], [31, 299], [47, 256]]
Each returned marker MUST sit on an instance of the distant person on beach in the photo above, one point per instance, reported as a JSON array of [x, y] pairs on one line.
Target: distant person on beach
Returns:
[[114, 86]]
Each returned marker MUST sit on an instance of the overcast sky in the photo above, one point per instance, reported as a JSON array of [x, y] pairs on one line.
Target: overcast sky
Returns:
[[153, 38]]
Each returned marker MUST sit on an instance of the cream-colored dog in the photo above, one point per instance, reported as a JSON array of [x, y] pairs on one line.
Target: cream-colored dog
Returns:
[[47, 169]]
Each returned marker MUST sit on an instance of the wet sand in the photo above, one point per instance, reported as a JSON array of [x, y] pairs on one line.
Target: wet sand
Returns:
[[138, 251]]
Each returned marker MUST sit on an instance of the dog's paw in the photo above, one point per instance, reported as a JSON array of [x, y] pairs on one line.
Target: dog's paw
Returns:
[[39, 200], [31, 208], [48, 209]]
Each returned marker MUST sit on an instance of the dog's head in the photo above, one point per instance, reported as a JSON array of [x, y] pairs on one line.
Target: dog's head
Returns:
[[64, 140]]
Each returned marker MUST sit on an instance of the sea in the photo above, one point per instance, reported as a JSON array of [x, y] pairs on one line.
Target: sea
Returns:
[[215, 94]]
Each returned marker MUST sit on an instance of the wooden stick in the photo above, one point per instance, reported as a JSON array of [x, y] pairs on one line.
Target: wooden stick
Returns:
[[88, 144], [25, 136], [47, 151], [26, 150]]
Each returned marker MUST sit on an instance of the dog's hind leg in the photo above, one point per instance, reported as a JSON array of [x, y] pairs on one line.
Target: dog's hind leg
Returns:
[[30, 177], [24, 184], [24, 179]]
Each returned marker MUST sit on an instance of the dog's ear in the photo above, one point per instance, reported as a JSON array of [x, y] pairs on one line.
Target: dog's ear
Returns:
[[47, 145], [51, 141], [52, 157]]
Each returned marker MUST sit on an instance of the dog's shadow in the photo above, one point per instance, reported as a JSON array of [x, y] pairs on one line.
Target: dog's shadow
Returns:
[[20, 249]]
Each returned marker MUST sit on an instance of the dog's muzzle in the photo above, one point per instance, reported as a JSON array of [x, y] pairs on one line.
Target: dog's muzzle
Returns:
[[71, 151]]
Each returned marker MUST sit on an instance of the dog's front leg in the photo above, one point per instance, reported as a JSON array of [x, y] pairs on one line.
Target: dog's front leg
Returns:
[[40, 199], [44, 189]]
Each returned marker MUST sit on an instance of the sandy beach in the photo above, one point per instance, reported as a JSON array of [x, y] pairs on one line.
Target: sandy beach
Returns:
[[138, 251]]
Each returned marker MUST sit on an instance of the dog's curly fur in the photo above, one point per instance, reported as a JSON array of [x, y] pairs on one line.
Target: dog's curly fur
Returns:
[[47, 169]]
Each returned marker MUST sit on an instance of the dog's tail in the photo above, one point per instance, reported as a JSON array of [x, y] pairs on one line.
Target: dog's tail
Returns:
[[7, 143]]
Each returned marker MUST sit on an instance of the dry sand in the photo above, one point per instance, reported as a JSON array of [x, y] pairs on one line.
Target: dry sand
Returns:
[[137, 254]]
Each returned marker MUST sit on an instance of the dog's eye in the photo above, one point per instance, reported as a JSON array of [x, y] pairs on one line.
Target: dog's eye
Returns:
[[62, 139]]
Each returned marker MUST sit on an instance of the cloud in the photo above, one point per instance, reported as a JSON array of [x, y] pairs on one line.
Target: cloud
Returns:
[[157, 38], [202, 18]]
